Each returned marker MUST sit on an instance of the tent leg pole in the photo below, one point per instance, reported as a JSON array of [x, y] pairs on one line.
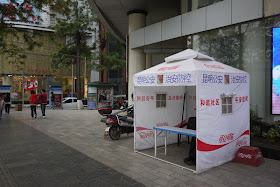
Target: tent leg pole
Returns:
[[165, 161], [155, 143], [165, 140]]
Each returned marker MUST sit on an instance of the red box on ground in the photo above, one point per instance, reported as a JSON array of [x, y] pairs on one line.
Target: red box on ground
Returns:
[[249, 155]]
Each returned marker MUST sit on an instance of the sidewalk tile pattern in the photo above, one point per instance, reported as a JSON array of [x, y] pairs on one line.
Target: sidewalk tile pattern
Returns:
[[83, 131]]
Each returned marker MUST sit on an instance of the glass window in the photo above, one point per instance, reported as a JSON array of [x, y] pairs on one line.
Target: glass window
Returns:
[[246, 46], [204, 3], [161, 100], [196, 4], [226, 104]]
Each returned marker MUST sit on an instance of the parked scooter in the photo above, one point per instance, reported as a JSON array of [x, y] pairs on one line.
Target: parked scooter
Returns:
[[123, 104], [117, 125], [120, 103], [130, 111], [107, 109]]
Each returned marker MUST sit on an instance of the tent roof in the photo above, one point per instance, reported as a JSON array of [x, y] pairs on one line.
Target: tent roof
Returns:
[[187, 54], [189, 61], [183, 64]]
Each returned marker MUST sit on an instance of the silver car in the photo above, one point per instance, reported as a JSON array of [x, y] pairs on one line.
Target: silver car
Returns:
[[70, 103]]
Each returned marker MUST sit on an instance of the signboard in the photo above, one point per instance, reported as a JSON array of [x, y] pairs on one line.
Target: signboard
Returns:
[[29, 86], [92, 90], [276, 72], [5, 89], [36, 83], [57, 99], [92, 97], [57, 90]]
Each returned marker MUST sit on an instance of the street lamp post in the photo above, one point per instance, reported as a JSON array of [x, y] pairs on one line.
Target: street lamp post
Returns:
[[85, 74], [72, 80]]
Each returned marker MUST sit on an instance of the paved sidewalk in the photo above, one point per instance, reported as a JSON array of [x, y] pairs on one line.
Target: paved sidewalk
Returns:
[[29, 157], [83, 131]]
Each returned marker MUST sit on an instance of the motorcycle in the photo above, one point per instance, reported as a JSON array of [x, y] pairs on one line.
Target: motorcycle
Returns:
[[119, 103], [117, 125], [130, 111], [123, 104], [106, 109]]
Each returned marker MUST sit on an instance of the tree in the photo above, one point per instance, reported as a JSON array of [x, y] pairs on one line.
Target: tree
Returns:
[[76, 25], [14, 42], [108, 59]]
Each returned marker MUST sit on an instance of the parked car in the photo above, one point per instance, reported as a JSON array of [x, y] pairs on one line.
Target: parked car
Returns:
[[69, 103]]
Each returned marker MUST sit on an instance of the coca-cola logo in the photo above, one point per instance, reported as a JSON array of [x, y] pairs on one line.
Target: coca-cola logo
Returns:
[[242, 155], [168, 68], [214, 66], [162, 124], [241, 142], [259, 155], [144, 135], [225, 138]]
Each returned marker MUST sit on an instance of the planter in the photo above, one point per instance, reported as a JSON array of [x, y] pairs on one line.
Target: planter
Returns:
[[18, 107], [268, 151]]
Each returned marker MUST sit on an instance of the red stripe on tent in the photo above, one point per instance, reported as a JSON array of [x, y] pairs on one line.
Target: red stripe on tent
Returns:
[[202, 146], [185, 121], [142, 128]]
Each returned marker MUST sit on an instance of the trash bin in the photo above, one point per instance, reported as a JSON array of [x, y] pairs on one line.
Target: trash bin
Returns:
[[80, 104]]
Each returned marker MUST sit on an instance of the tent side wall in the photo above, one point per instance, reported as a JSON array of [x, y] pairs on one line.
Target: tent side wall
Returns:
[[147, 115], [219, 135]]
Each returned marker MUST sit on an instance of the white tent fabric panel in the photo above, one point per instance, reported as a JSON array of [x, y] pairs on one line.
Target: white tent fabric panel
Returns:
[[190, 108], [181, 73], [168, 74], [188, 54], [150, 116], [219, 135]]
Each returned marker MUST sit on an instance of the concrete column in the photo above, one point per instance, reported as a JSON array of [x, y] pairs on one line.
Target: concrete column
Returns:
[[184, 6], [271, 7], [148, 60], [194, 4], [136, 57]]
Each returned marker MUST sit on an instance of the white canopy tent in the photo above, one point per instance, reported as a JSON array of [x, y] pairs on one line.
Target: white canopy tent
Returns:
[[217, 94]]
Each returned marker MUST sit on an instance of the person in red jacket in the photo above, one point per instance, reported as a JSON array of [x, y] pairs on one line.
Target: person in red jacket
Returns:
[[43, 101], [33, 103]]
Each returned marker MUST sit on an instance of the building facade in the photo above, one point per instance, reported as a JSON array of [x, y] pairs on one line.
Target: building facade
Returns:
[[235, 32], [110, 45], [37, 64]]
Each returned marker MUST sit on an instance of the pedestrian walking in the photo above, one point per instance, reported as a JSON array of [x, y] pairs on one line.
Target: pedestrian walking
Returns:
[[52, 100], [33, 104], [43, 101], [7, 101], [1, 106]]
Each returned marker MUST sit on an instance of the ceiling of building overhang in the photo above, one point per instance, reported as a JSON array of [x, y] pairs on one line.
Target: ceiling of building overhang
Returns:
[[113, 13]]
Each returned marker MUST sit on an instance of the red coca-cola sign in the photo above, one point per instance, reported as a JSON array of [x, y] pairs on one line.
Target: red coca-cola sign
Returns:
[[249, 155], [241, 142]]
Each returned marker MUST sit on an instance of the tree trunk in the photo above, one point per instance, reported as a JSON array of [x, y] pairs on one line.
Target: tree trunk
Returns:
[[78, 56], [78, 70]]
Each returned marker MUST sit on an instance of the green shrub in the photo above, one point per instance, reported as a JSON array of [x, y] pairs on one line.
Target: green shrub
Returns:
[[273, 134], [256, 124], [253, 114], [262, 131]]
